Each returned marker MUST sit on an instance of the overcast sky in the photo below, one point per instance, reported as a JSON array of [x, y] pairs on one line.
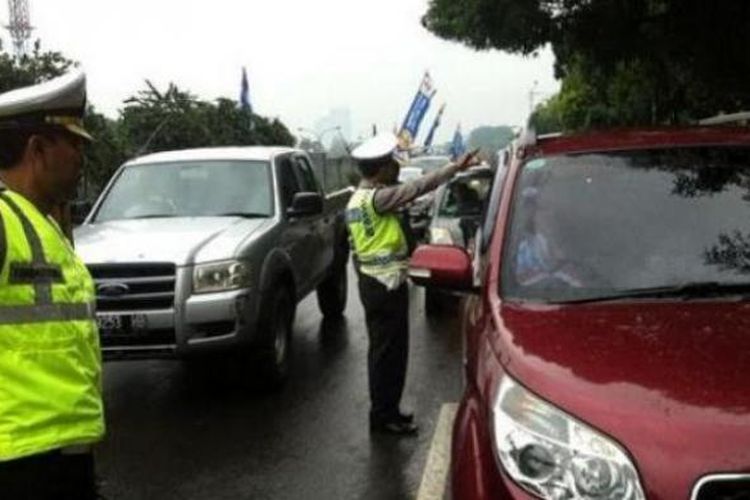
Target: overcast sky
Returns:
[[303, 58]]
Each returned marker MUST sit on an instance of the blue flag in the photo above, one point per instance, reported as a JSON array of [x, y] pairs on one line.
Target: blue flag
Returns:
[[435, 125], [245, 93], [416, 113], [457, 145]]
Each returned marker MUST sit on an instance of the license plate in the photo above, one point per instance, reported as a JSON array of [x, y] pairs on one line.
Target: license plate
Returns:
[[121, 324]]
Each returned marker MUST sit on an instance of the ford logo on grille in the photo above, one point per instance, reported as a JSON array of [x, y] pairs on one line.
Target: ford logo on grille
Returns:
[[112, 289]]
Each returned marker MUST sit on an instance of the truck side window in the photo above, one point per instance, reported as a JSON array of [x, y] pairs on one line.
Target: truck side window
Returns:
[[307, 177], [287, 180]]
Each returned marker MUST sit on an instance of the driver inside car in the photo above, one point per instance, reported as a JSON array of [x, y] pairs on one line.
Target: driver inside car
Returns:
[[537, 261]]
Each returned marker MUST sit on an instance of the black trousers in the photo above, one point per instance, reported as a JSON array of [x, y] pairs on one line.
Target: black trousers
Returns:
[[387, 317], [49, 476]]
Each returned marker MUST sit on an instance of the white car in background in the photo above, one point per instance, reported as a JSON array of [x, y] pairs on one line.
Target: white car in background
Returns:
[[418, 211], [455, 217]]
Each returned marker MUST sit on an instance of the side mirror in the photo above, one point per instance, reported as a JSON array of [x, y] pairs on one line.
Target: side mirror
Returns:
[[442, 266], [304, 204], [79, 210]]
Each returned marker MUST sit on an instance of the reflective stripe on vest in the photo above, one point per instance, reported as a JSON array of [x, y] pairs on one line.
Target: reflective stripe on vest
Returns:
[[42, 290], [13, 315], [50, 361], [378, 240]]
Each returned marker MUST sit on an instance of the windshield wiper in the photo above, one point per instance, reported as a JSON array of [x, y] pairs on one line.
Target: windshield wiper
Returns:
[[247, 215], [154, 216], [693, 290]]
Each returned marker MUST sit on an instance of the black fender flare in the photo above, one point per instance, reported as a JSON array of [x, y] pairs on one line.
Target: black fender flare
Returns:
[[277, 266]]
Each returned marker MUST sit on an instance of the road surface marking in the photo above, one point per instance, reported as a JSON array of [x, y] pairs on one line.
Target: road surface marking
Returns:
[[435, 473]]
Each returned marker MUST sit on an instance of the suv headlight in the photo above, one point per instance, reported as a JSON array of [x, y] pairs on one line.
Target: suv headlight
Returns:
[[440, 236], [220, 276], [554, 456]]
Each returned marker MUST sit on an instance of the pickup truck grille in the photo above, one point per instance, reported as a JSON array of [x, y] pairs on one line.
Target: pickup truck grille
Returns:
[[133, 287], [724, 488]]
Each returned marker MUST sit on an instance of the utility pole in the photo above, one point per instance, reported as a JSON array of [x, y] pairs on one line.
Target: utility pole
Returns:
[[19, 25], [532, 95]]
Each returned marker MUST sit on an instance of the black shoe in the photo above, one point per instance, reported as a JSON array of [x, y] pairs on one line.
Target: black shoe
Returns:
[[406, 418], [395, 427]]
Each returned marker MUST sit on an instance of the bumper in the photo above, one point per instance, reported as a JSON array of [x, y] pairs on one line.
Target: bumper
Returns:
[[201, 324]]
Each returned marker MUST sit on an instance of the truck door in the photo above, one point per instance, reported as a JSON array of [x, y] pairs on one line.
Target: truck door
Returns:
[[298, 235], [322, 224]]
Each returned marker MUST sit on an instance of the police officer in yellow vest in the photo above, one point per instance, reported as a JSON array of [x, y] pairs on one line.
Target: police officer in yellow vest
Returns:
[[381, 259], [51, 408]]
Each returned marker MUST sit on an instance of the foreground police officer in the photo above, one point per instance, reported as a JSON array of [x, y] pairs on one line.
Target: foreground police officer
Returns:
[[50, 367], [381, 259]]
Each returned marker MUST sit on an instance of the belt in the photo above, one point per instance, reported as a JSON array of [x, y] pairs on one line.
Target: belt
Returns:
[[77, 449], [67, 451], [382, 260]]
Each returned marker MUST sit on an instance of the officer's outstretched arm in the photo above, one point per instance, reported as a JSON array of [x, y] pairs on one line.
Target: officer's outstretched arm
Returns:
[[392, 198]]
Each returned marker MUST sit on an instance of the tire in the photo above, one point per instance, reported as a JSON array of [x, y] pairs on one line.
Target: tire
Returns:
[[276, 327], [433, 303], [332, 293]]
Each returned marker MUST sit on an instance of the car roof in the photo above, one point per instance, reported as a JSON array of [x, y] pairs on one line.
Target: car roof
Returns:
[[411, 168], [636, 139], [423, 158], [257, 153], [478, 171]]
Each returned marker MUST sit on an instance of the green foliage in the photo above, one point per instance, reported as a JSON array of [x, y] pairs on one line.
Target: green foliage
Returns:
[[175, 119], [589, 99], [29, 69], [623, 62], [102, 157], [490, 139]]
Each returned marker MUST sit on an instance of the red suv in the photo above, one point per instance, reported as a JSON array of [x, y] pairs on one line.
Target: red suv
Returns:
[[608, 326]]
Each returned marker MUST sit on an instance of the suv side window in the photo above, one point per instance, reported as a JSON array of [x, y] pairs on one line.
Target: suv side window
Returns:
[[287, 180], [306, 175]]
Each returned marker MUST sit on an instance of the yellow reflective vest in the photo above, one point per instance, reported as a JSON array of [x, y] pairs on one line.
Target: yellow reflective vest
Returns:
[[378, 240], [50, 361]]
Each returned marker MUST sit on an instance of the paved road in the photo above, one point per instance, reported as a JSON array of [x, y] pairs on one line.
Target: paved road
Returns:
[[179, 433]]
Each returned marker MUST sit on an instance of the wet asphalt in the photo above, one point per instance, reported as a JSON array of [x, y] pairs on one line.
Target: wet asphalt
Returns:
[[176, 431]]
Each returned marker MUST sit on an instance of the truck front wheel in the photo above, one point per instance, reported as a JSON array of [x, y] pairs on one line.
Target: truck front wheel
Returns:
[[276, 325], [332, 293]]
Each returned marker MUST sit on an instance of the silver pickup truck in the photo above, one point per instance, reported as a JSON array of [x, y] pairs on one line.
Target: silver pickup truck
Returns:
[[204, 250]]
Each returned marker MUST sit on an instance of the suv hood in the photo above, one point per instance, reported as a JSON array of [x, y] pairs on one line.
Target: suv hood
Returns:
[[669, 380], [178, 240]]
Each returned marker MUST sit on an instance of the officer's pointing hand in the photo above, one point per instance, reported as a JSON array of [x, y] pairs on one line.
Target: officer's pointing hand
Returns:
[[470, 159]]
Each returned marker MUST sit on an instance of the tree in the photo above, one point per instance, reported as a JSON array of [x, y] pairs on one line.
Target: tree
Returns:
[[490, 139], [176, 119], [32, 68], [105, 154], [632, 61]]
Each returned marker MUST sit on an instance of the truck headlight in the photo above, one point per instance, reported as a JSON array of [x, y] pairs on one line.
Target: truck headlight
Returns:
[[440, 236], [554, 456], [220, 276]]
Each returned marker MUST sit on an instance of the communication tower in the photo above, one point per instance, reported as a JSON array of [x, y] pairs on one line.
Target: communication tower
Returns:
[[19, 25]]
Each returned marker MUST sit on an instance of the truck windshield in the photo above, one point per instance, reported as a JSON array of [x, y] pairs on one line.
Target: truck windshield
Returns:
[[190, 189], [626, 224]]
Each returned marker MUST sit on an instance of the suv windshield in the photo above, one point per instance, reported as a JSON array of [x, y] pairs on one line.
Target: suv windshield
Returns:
[[190, 189], [593, 226]]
